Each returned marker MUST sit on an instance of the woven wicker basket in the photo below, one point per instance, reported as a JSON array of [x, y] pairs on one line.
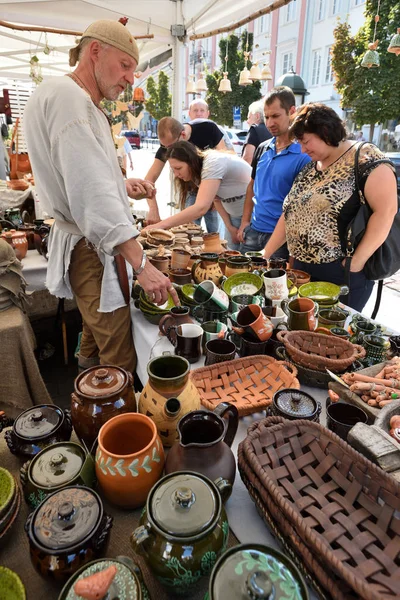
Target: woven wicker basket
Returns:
[[248, 383], [339, 511], [318, 351]]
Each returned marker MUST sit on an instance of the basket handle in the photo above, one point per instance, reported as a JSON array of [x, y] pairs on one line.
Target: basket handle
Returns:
[[281, 335], [291, 368], [360, 351]]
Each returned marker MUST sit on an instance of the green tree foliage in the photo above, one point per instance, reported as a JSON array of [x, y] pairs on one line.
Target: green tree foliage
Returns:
[[160, 100], [221, 105], [372, 94]]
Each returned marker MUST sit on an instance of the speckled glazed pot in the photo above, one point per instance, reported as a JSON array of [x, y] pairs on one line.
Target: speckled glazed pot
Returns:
[[207, 268], [67, 530], [129, 459], [100, 394], [182, 531]]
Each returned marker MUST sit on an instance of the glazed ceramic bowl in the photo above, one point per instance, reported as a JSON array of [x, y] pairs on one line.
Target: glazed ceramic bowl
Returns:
[[180, 276], [323, 292], [153, 307], [127, 583], [332, 318], [7, 491], [11, 586], [301, 277], [9, 517], [242, 283], [187, 292]]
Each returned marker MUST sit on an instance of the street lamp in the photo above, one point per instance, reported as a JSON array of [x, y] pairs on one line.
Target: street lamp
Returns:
[[296, 84]]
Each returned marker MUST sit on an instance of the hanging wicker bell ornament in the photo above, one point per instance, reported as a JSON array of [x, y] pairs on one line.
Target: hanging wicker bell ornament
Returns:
[[201, 85], [225, 84], [266, 73], [255, 72], [244, 78], [371, 57], [191, 86], [138, 95], [394, 45]]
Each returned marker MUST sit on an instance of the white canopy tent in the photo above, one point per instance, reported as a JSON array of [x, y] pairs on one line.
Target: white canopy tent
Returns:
[[154, 17]]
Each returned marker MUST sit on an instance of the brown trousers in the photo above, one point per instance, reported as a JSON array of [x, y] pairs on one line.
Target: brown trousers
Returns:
[[106, 337]]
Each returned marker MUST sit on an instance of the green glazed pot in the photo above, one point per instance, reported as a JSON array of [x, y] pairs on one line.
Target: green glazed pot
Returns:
[[183, 530], [56, 467], [251, 571]]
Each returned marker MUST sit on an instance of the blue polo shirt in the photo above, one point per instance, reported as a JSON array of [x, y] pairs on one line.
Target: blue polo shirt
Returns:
[[273, 176]]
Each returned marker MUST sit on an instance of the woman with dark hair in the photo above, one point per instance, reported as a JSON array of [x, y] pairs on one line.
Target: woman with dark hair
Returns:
[[323, 201], [219, 177]]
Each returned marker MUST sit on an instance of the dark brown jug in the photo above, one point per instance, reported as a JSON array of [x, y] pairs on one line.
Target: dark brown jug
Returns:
[[205, 439]]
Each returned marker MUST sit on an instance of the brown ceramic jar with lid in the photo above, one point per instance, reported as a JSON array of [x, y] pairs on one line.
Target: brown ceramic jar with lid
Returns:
[[101, 393]]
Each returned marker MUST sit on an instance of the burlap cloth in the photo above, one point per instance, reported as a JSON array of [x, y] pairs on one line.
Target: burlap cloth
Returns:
[[21, 383], [14, 547]]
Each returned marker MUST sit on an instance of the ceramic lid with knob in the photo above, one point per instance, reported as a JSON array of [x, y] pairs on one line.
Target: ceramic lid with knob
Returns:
[[66, 519], [184, 504], [38, 422], [256, 572], [101, 381], [57, 464], [294, 403]]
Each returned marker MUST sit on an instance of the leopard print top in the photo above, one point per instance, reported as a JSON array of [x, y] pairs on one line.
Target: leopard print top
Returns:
[[321, 204]]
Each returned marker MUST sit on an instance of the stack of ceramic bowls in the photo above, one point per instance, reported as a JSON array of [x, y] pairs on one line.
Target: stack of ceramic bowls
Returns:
[[186, 293], [152, 312], [155, 237], [10, 501]]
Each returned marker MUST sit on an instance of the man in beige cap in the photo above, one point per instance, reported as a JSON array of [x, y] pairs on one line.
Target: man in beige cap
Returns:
[[80, 184]]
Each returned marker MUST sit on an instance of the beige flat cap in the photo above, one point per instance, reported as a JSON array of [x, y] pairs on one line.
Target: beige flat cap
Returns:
[[108, 32]]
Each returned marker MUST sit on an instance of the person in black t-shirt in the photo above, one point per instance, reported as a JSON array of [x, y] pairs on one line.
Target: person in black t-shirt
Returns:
[[258, 132], [204, 135]]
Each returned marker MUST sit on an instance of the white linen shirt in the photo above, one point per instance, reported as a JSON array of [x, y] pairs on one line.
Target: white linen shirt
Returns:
[[78, 181]]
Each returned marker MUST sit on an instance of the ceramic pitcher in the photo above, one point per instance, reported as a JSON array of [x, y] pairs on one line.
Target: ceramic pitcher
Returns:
[[204, 446], [168, 379], [302, 313]]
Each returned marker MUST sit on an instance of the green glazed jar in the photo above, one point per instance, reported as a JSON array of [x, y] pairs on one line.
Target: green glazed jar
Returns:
[[251, 571], [183, 530]]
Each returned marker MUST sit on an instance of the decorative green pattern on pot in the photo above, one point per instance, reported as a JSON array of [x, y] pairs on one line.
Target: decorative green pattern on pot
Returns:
[[225, 530], [109, 468], [37, 498], [183, 578], [277, 571]]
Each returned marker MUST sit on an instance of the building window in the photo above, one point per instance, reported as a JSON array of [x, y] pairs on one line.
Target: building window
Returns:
[[320, 14], [287, 62], [316, 67], [335, 7], [358, 2], [290, 12], [328, 70]]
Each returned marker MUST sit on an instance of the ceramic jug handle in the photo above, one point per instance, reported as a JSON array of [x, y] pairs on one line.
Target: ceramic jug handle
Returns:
[[163, 323], [138, 536], [224, 487], [233, 420], [169, 335], [195, 310], [284, 307], [23, 473], [316, 309]]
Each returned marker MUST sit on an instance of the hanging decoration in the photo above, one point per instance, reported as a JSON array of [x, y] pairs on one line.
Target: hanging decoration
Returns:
[[225, 84], [244, 78], [371, 57], [36, 70], [394, 45], [138, 95], [255, 71], [266, 73], [191, 86], [201, 85]]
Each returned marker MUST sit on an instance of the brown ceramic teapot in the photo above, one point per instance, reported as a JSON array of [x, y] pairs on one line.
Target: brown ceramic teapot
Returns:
[[205, 439], [100, 393]]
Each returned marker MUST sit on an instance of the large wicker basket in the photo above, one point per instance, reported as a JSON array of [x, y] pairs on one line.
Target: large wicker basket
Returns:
[[248, 383], [319, 351], [338, 511]]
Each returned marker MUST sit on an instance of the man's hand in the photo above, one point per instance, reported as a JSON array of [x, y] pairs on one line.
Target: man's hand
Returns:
[[240, 231], [139, 188], [153, 226], [156, 285]]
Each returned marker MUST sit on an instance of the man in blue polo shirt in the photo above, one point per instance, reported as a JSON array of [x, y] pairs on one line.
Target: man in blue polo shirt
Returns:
[[275, 164]]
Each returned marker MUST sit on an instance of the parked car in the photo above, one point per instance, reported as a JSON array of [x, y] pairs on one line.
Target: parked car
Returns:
[[237, 138], [133, 138], [395, 158]]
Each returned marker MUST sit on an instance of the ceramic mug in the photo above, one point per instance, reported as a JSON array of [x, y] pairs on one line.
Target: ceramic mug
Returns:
[[187, 340], [180, 276], [237, 264], [277, 263], [332, 317], [376, 347], [213, 330], [178, 315], [341, 417], [275, 284], [160, 262], [218, 351], [302, 313], [257, 263], [250, 347], [241, 300], [208, 293], [251, 319], [179, 259], [275, 314], [204, 313]]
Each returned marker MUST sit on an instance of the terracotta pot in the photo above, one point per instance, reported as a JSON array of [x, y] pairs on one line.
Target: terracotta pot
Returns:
[[237, 264], [168, 378], [161, 263], [212, 243], [182, 531], [207, 267], [18, 242], [129, 459], [100, 394], [204, 446], [180, 276], [67, 530], [179, 259]]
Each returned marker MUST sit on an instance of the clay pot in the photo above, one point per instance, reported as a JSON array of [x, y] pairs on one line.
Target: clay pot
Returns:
[[178, 315], [179, 259], [207, 267], [100, 394], [180, 276], [182, 531], [237, 264], [204, 446], [18, 242], [161, 263], [67, 530], [212, 243], [38, 427], [30, 236], [129, 459], [168, 378]]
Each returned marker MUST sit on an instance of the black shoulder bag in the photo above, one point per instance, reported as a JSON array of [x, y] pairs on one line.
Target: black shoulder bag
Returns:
[[385, 261]]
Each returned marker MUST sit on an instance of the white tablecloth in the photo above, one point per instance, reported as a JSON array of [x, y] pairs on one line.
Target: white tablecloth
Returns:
[[34, 269]]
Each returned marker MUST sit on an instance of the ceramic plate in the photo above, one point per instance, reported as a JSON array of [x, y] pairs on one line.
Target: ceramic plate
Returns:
[[123, 586], [242, 283]]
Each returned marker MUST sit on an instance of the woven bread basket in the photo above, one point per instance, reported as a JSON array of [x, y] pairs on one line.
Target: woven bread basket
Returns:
[[248, 383], [319, 351], [339, 511]]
